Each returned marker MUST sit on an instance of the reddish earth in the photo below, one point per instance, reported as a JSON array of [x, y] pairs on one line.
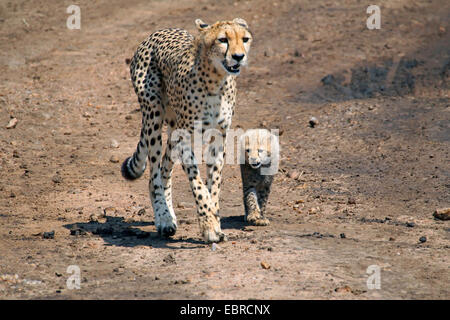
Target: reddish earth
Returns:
[[358, 189]]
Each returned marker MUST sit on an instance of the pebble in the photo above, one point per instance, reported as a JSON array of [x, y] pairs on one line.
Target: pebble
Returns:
[[442, 214], [114, 143], [343, 289], [313, 122], [12, 123], [49, 235], [351, 201], [423, 239], [265, 265], [342, 235], [57, 179], [410, 224], [293, 174], [114, 159], [169, 259]]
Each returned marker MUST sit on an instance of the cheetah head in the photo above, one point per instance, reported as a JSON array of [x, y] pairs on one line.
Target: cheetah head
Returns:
[[257, 145], [227, 44]]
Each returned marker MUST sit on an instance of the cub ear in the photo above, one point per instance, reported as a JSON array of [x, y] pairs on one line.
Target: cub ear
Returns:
[[201, 25], [241, 22]]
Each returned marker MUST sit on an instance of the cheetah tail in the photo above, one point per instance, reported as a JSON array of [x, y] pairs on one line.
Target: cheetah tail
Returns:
[[130, 170]]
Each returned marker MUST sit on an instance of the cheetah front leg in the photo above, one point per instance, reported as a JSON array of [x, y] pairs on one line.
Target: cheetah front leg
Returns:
[[209, 219], [215, 162], [252, 211]]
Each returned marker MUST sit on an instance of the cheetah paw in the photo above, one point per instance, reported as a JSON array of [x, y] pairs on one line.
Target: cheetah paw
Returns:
[[213, 236], [258, 220], [167, 229]]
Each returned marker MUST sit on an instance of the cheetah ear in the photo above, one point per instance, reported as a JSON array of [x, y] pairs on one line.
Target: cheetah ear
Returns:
[[201, 25], [241, 22]]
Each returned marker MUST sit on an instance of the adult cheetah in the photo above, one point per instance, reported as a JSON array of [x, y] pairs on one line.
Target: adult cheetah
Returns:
[[181, 80]]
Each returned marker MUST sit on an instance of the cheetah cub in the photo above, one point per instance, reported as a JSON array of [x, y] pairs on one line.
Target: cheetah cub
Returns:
[[260, 163]]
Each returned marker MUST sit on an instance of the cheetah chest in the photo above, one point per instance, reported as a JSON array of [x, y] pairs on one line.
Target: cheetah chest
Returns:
[[217, 112]]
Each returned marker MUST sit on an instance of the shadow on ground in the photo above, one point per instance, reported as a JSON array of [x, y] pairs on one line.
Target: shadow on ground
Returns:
[[115, 231]]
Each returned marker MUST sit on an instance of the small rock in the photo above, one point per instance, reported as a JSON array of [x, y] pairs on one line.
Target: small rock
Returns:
[[442, 214], [293, 174], [313, 122], [265, 265], [342, 235], [344, 289], [77, 232], [114, 143], [127, 60], [57, 179], [391, 239], [128, 117], [114, 159], [49, 235], [12, 123], [351, 201], [108, 211], [96, 217], [410, 224], [141, 212], [423, 239], [328, 79], [169, 259]]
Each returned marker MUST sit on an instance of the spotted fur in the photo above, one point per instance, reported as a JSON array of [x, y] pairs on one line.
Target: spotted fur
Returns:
[[180, 79]]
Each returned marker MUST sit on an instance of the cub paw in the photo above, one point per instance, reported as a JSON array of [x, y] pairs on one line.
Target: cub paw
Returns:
[[257, 220]]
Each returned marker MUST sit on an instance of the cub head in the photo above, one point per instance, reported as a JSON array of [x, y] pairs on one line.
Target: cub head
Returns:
[[258, 145], [227, 43]]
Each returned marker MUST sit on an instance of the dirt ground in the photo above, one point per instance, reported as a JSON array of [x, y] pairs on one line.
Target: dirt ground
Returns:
[[357, 189]]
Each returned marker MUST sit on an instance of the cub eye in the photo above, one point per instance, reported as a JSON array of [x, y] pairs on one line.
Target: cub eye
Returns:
[[223, 40], [245, 39], [247, 150]]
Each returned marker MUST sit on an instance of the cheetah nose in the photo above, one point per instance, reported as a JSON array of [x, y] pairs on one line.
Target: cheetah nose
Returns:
[[238, 56]]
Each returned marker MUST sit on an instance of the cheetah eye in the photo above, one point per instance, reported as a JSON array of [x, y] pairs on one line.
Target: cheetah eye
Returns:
[[245, 39], [247, 150], [223, 40]]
